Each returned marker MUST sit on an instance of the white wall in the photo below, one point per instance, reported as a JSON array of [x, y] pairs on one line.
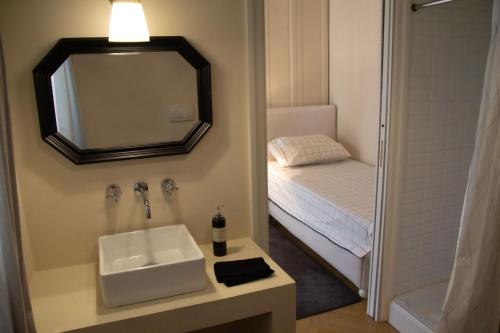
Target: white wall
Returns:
[[448, 52], [63, 204], [296, 52], [355, 74]]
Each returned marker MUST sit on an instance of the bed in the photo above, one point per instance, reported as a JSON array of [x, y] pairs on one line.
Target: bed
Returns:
[[329, 207]]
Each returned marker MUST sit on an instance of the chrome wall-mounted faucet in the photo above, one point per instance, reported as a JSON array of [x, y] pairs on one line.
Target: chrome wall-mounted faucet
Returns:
[[141, 189], [114, 192], [168, 187]]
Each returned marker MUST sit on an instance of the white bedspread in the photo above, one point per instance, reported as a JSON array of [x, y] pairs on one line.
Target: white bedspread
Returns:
[[334, 199]]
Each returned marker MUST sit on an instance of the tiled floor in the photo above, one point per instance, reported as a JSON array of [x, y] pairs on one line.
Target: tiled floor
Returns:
[[349, 319]]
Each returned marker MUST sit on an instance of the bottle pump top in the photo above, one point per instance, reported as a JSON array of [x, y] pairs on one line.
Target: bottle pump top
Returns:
[[218, 213]]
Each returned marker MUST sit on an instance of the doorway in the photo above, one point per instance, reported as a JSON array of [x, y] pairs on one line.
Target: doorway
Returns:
[[260, 120]]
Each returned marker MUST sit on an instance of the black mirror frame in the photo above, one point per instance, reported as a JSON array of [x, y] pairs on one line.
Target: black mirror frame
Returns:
[[68, 46]]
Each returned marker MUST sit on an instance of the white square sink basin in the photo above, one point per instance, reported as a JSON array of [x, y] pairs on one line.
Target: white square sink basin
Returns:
[[149, 264]]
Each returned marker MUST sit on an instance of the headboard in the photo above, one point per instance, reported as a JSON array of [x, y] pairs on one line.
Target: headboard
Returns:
[[301, 120]]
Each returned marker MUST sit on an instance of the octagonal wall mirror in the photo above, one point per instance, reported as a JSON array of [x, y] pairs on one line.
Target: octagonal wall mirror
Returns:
[[99, 101]]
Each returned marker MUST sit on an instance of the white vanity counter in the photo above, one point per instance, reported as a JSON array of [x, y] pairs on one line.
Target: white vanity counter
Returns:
[[69, 299]]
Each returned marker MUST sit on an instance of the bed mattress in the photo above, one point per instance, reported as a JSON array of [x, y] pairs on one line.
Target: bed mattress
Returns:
[[334, 199]]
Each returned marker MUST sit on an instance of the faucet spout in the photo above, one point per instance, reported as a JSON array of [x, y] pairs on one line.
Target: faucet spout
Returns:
[[141, 189], [147, 209]]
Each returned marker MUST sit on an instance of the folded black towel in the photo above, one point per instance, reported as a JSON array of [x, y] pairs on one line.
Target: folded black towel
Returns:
[[236, 272]]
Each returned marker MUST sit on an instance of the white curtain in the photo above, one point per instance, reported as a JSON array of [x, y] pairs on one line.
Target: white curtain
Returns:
[[473, 300], [15, 308]]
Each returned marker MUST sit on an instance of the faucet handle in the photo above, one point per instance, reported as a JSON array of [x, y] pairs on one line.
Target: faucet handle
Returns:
[[168, 186], [114, 192]]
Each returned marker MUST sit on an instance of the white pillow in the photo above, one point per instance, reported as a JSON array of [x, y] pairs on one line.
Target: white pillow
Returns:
[[307, 149]]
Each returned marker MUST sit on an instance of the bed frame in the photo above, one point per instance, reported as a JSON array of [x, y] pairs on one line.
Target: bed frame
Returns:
[[304, 120]]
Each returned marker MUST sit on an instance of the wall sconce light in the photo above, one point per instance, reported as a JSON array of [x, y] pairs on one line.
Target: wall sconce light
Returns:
[[127, 22]]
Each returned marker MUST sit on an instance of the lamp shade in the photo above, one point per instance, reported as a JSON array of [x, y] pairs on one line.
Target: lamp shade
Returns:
[[128, 22]]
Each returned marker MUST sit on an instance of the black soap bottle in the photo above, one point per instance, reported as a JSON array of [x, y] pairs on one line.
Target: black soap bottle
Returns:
[[219, 233]]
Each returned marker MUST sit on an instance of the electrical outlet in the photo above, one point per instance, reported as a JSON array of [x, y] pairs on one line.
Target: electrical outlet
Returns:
[[180, 112]]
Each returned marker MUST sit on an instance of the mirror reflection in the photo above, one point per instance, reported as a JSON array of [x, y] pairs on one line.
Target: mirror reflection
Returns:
[[108, 100]]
